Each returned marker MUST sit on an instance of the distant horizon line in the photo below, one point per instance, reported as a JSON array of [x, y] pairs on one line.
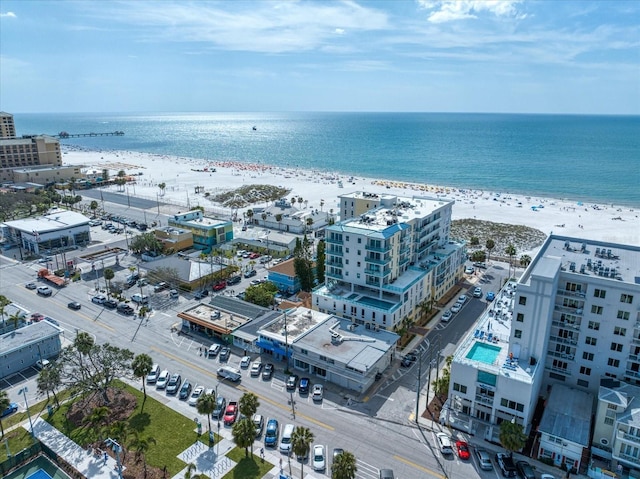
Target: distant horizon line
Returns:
[[186, 112]]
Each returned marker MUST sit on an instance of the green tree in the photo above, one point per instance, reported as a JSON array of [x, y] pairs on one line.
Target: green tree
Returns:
[[165, 274], [308, 223], [244, 434], [205, 405], [48, 381], [510, 250], [303, 264], [4, 302], [525, 260], [344, 466], [490, 244], [93, 206], [108, 275], [474, 241], [320, 259], [279, 220], [97, 420], [478, 256], [249, 404], [512, 436], [249, 215], [141, 445], [162, 186], [105, 175], [261, 294], [15, 318], [120, 431], [141, 366], [4, 404], [146, 243], [301, 441], [191, 468]]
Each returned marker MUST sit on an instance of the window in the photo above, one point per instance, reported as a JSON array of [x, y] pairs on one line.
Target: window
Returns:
[[596, 309], [460, 388], [518, 334], [587, 356], [626, 298], [590, 341], [612, 406], [618, 331], [623, 315], [359, 240], [616, 347], [359, 252], [522, 300], [584, 370], [520, 317], [608, 421], [511, 404], [613, 362], [599, 293], [583, 383], [594, 325]]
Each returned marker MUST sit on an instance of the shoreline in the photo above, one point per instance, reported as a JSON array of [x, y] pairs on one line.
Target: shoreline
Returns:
[[320, 189]]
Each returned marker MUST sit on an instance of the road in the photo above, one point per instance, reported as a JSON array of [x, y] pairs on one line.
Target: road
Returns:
[[379, 431]]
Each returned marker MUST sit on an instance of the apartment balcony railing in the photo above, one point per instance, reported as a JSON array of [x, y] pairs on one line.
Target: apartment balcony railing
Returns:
[[628, 437], [572, 294], [555, 369], [567, 309], [370, 259], [573, 341], [333, 240], [377, 248], [488, 400], [333, 275], [335, 252], [632, 374], [627, 458]]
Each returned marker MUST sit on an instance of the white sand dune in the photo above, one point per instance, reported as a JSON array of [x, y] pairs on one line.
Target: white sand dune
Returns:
[[612, 223]]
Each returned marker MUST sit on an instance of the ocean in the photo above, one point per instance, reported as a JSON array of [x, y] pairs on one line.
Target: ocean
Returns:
[[582, 158]]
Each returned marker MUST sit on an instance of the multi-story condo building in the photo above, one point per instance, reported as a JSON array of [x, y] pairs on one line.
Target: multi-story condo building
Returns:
[[382, 265], [573, 318], [31, 150], [207, 232]]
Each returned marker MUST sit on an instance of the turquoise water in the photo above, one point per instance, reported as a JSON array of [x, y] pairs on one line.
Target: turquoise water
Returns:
[[376, 303], [39, 468], [39, 475], [484, 353], [582, 158]]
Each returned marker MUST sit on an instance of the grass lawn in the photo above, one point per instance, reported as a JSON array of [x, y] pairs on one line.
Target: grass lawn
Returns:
[[18, 439], [172, 431], [247, 467], [37, 409]]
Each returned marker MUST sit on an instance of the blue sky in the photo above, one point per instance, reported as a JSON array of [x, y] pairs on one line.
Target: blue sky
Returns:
[[401, 55]]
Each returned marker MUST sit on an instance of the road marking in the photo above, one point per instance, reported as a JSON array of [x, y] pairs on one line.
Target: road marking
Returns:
[[419, 467]]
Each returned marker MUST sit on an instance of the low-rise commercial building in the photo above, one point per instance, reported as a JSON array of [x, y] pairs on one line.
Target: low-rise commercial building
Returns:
[[207, 232], [174, 239], [34, 342]]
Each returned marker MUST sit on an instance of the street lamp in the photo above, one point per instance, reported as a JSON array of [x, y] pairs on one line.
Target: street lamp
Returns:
[[116, 447], [24, 392]]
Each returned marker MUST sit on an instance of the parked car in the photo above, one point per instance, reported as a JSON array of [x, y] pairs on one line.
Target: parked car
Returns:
[[484, 459], [233, 280], [214, 349], [318, 392], [446, 316], [36, 317], [469, 270], [231, 413], [319, 458], [31, 285], [491, 296], [140, 298], [477, 292], [110, 304], [456, 308], [256, 367], [285, 438], [45, 291], [462, 299], [292, 382], [506, 465], [225, 352], [386, 474], [245, 362], [303, 387], [74, 305], [152, 377], [444, 443], [195, 395], [250, 273], [258, 424], [267, 371], [124, 308], [174, 384], [13, 407], [173, 293], [185, 390], [163, 379], [42, 363], [201, 294], [271, 434], [219, 286], [221, 405], [160, 287], [480, 264], [525, 470], [462, 448]]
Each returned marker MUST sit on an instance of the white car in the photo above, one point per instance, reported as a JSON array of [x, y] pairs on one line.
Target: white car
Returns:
[[462, 299], [140, 298], [99, 299], [197, 392], [244, 362], [469, 270], [444, 443], [41, 364], [319, 458], [45, 290], [446, 316], [477, 293], [162, 380], [256, 367], [317, 392], [456, 307]]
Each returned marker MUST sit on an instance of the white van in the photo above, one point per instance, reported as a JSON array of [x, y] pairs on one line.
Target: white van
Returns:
[[152, 377], [232, 374], [285, 438]]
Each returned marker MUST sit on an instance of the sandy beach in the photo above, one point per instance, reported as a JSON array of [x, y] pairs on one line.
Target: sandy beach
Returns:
[[603, 222]]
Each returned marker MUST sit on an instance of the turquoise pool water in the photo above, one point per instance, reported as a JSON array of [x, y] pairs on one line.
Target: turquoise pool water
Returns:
[[39, 468], [376, 303], [485, 353]]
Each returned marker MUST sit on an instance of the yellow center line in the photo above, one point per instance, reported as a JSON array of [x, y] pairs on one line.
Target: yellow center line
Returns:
[[241, 388], [418, 466]]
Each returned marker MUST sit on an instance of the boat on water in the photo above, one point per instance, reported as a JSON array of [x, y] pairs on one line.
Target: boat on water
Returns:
[[254, 128]]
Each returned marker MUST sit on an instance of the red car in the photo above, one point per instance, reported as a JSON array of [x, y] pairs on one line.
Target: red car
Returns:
[[219, 286], [462, 449], [37, 317], [231, 414], [254, 256]]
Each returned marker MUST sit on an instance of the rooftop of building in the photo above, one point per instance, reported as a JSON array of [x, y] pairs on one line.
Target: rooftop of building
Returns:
[[388, 220], [214, 318], [172, 230], [624, 395], [294, 323], [200, 222], [347, 343], [30, 334], [27, 139], [588, 258], [567, 414], [285, 268], [54, 221], [43, 168], [487, 348], [188, 269], [369, 196]]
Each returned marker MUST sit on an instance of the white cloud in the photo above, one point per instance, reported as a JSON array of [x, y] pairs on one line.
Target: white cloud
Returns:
[[451, 10], [339, 31], [8, 15]]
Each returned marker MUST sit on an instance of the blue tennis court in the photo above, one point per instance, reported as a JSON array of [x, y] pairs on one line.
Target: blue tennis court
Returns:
[[39, 474]]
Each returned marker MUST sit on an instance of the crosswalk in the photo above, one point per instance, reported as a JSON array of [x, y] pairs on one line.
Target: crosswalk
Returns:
[[366, 470]]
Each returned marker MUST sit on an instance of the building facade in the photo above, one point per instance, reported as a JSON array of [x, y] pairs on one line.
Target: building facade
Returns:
[[382, 265], [174, 239], [207, 232], [35, 342], [7, 126]]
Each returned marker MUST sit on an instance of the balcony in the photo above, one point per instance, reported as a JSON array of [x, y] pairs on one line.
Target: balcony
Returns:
[[482, 399], [335, 262], [558, 339], [555, 369], [334, 252], [628, 437], [370, 259], [333, 275], [333, 240], [377, 248], [567, 309], [627, 458], [632, 374], [572, 294]]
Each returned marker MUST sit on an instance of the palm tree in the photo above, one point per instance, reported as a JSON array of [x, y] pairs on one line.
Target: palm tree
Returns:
[[293, 200], [248, 406], [141, 366], [142, 445], [249, 214], [108, 276], [4, 302], [162, 186], [4, 404], [96, 419], [301, 441], [205, 405], [525, 260], [279, 220], [16, 318], [244, 433], [83, 342], [191, 468], [48, 381], [264, 219], [93, 206], [490, 244], [309, 222], [344, 466], [321, 204], [511, 251], [121, 431]]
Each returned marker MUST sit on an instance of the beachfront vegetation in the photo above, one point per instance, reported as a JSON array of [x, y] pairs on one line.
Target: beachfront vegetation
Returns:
[[303, 263], [250, 194]]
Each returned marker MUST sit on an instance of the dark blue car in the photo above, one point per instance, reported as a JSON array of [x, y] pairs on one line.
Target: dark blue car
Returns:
[[13, 407], [271, 434], [491, 296]]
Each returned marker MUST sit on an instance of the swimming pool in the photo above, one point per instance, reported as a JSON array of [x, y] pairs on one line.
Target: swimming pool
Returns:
[[483, 352], [376, 303], [39, 468]]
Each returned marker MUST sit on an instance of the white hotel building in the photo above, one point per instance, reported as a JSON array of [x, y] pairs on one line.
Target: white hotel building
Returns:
[[573, 318], [387, 256]]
